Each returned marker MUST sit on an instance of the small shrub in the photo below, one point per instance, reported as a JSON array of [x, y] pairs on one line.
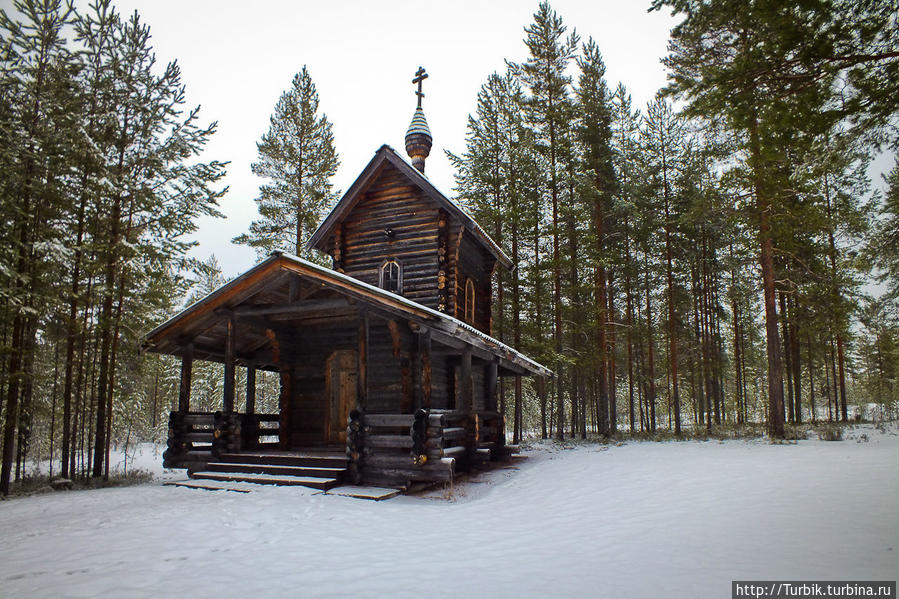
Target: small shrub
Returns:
[[830, 432]]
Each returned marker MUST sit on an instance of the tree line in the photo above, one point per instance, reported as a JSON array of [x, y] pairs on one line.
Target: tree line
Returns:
[[694, 263], [701, 260], [100, 184]]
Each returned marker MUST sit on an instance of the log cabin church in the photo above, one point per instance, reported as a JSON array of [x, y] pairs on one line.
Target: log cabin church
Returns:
[[388, 373]]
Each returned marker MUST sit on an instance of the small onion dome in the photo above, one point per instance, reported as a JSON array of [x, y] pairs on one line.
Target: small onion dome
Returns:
[[418, 140]]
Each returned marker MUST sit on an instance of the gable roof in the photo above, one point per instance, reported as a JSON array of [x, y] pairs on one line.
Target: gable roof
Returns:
[[386, 154], [166, 337]]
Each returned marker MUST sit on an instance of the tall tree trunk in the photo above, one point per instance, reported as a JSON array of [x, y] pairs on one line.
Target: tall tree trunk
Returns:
[[736, 327], [71, 336], [613, 373], [843, 408], [630, 325], [557, 276], [788, 355], [795, 361], [811, 378], [669, 277], [106, 334], [766, 261], [651, 394], [838, 325]]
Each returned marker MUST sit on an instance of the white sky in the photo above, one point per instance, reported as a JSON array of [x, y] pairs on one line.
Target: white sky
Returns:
[[237, 58]]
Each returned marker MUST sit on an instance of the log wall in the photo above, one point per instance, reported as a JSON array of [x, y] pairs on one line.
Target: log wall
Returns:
[[391, 204], [477, 264]]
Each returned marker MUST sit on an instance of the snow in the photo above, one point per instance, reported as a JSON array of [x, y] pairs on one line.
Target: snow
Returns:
[[640, 519]]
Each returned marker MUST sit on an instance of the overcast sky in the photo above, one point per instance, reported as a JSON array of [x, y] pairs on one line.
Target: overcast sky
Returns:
[[237, 58]]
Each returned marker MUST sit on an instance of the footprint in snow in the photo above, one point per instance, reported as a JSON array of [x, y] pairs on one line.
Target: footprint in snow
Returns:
[[25, 575]]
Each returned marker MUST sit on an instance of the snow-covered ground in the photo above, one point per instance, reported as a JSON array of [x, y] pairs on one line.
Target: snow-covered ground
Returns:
[[636, 520]]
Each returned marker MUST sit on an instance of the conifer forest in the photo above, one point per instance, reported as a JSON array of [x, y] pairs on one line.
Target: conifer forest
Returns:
[[721, 258]]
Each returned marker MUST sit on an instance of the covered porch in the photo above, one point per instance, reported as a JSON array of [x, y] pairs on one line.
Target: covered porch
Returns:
[[404, 392]]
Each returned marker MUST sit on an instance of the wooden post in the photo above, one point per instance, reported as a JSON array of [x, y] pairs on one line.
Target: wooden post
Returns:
[[228, 399], [187, 362], [425, 346], [421, 367], [465, 380], [284, 405], [492, 380], [417, 391], [251, 390], [362, 357]]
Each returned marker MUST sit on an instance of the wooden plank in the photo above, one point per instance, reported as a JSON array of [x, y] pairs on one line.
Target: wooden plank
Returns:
[[298, 309], [187, 360], [372, 493]]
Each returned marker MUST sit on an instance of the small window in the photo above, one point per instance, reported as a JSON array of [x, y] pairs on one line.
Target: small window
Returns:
[[469, 301], [391, 276]]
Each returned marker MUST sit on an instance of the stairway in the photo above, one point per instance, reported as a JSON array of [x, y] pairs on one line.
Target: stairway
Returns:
[[317, 470]]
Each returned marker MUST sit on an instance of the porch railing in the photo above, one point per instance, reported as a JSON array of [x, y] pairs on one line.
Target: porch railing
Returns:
[[198, 438]]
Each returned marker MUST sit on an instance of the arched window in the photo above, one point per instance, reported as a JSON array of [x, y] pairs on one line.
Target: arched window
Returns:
[[469, 301], [391, 276]]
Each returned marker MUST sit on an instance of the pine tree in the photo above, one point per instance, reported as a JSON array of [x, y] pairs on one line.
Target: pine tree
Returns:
[[885, 245], [595, 134], [298, 158], [544, 73], [665, 147]]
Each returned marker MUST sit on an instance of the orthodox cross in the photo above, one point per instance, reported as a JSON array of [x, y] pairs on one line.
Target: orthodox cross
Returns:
[[420, 76]]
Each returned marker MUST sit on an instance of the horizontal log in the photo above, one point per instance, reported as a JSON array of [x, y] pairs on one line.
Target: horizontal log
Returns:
[[396, 460], [198, 419], [205, 437], [448, 452], [438, 472], [398, 420], [388, 440], [455, 432]]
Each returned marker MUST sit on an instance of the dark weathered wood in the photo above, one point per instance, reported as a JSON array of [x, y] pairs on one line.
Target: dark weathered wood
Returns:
[[421, 368], [300, 309], [403, 441], [438, 472], [187, 360], [400, 420], [456, 451], [492, 385], [362, 356], [228, 391], [455, 432], [198, 419], [251, 390], [465, 395]]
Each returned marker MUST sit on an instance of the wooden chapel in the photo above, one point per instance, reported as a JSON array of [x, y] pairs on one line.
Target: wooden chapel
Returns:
[[388, 371]]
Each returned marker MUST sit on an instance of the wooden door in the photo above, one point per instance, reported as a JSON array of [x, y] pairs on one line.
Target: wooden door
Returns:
[[340, 383]]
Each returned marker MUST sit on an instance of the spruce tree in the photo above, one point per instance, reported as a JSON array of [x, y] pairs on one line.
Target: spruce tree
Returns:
[[298, 159]]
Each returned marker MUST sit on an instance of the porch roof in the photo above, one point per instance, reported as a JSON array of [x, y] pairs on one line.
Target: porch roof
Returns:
[[285, 291]]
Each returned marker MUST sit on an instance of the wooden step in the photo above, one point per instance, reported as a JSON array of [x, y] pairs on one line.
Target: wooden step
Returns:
[[286, 459], [277, 470], [322, 484], [213, 485]]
